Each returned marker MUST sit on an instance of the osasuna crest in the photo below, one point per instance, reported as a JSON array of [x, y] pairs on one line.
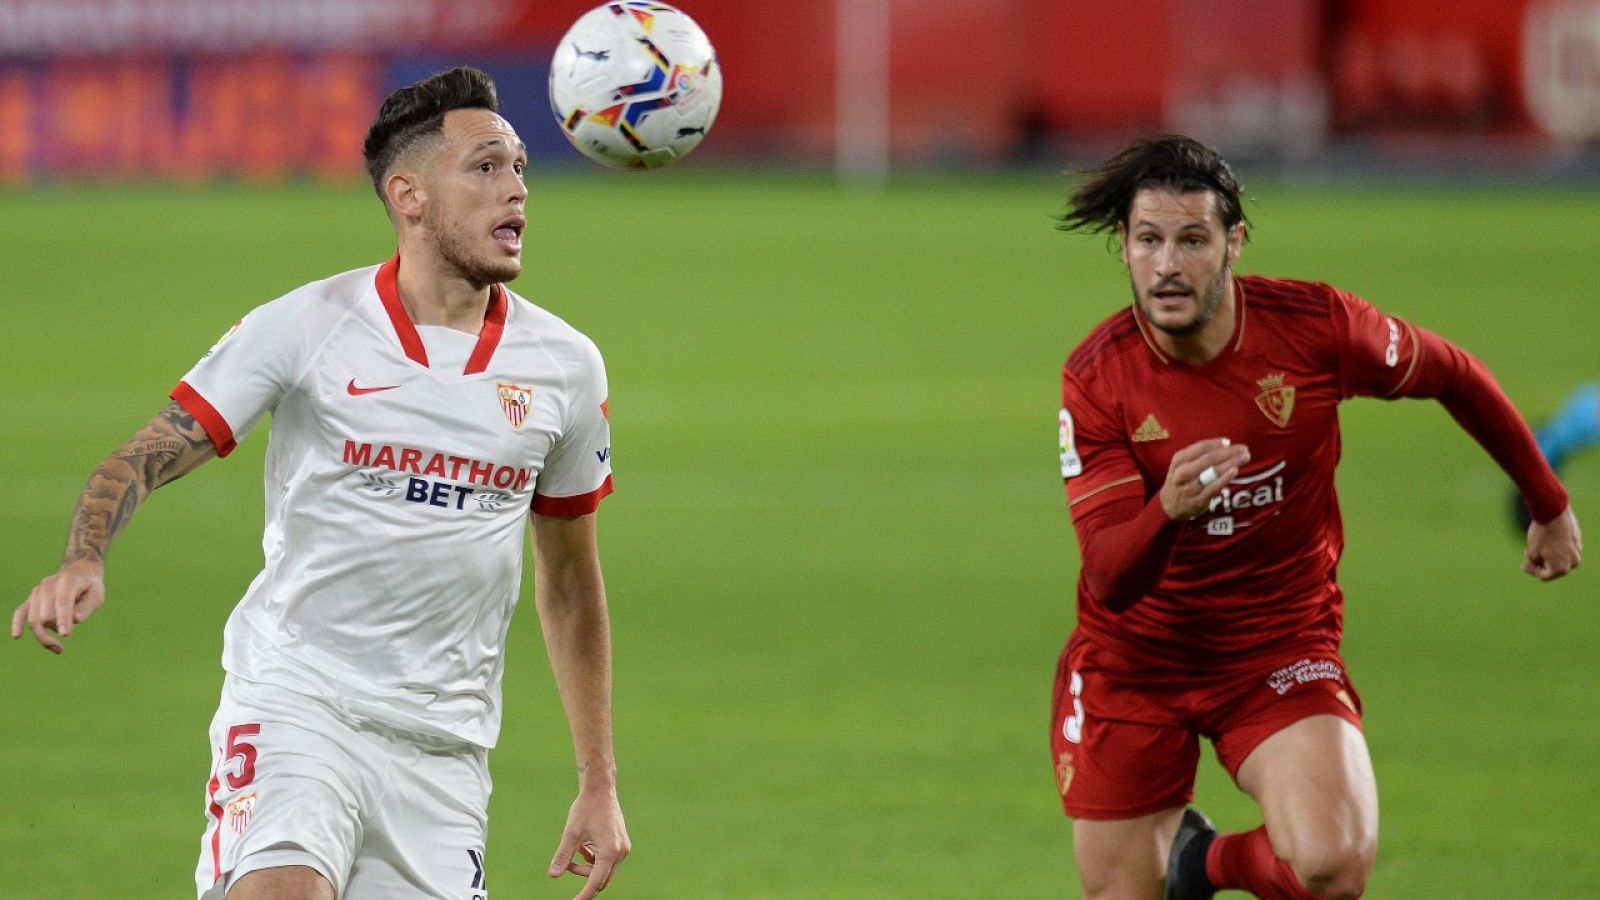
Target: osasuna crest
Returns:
[[514, 401], [1276, 400]]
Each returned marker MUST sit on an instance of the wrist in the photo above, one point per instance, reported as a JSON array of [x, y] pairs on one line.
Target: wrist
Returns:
[[598, 776], [84, 566]]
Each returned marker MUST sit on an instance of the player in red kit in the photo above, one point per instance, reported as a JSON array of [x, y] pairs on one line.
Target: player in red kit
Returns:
[[1199, 437]]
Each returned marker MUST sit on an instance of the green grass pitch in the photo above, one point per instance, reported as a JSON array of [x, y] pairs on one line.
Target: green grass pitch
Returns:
[[839, 564]]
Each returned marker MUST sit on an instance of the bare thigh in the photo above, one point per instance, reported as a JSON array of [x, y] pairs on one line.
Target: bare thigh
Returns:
[[1313, 781], [282, 883], [1124, 859]]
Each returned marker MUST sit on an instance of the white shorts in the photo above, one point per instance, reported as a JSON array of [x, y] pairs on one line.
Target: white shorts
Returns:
[[380, 813]]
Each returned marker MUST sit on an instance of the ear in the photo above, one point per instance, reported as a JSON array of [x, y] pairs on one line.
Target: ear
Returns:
[[1235, 242], [1122, 241], [406, 194]]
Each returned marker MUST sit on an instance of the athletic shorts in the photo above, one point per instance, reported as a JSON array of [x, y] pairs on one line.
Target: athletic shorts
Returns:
[[380, 813], [1125, 742]]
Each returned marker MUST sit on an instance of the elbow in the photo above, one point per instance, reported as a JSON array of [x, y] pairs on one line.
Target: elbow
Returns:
[[1113, 595]]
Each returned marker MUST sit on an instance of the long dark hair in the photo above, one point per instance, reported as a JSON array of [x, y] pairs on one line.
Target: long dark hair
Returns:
[[1172, 162], [417, 110]]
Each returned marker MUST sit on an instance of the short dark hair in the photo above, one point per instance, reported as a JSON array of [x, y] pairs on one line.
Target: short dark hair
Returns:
[[1171, 162], [417, 110]]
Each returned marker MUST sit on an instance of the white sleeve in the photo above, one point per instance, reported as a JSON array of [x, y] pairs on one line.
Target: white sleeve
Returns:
[[243, 375], [577, 473]]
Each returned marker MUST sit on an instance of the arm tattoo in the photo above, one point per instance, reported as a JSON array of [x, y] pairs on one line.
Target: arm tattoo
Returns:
[[168, 447]]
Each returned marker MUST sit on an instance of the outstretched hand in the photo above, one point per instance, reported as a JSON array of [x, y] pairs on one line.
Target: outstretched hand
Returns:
[[1554, 547], [59, 602], [596, 833]]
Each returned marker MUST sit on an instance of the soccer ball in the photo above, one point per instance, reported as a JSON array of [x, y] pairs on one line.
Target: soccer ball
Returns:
[[635, 85]]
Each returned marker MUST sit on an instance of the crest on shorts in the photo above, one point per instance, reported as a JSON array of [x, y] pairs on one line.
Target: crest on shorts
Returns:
[[1276, 400], [514, 401], [1064, 771], [240, 811]]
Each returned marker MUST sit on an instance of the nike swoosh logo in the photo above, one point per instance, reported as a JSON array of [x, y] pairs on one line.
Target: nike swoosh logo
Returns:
[[358, 391]]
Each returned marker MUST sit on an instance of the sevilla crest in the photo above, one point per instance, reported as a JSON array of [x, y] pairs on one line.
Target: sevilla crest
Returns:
[[240, 811], [514, 401]]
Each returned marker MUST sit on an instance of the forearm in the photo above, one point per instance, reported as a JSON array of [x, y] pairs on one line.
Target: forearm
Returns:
[[168, 447], [1466, 389], [1125, 548], [577, 635]]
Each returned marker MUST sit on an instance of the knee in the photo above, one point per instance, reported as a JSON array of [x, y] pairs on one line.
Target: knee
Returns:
[[1336, 869]]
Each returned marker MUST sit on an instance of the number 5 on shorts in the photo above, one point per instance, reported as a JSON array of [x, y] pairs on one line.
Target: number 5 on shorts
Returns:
[[244, 752]]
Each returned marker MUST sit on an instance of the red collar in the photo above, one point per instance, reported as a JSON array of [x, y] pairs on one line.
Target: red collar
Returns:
[[494, 320]]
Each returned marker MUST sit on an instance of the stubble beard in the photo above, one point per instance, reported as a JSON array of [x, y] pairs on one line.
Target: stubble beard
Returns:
[[448, 237], [1210, 302]]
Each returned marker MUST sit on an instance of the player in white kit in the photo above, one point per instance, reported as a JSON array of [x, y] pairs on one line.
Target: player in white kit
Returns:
[[421, 413]]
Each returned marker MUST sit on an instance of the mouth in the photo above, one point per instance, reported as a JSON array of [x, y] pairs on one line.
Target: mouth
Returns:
[[508, 234], [1171, 297]]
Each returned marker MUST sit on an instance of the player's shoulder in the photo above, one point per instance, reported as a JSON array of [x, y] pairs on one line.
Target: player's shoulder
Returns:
[[549, 332], [1116, 335], [1288, 296], [316, 306]]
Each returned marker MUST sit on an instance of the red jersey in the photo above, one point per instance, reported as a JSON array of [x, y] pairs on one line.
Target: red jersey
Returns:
[[1256, 573]]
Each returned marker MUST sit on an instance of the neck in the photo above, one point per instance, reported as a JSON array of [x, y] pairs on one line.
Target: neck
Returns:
[[434, 293], [1208, 343]]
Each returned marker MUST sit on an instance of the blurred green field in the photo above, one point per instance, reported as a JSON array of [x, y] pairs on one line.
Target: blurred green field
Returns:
[[839, 564]]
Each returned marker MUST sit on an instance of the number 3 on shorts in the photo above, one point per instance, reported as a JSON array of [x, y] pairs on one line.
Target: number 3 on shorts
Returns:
[[1071, 726], [244, 752]]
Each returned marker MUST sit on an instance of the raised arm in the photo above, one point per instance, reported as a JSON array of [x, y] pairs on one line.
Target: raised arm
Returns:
[[168, 447], [571, 598]]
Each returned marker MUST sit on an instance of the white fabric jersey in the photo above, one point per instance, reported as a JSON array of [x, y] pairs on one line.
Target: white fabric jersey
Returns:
[[397, 493]]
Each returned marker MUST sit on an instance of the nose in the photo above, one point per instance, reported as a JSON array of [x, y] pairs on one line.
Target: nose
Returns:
[[519, 190], [1166, 258]]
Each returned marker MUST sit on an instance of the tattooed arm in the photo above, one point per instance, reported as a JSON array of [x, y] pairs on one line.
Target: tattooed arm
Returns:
[[170, 446]]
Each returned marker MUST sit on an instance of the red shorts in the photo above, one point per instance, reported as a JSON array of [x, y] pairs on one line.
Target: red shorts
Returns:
[[1125, 742]]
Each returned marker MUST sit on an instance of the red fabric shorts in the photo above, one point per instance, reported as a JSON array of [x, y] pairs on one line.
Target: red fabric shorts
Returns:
[[1125, 742]]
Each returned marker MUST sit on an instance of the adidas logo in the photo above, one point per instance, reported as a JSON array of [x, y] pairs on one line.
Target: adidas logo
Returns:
[[1150, 430]]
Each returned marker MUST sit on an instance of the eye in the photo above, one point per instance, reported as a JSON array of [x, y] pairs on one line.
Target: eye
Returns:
[[519, 167], [486, 166]]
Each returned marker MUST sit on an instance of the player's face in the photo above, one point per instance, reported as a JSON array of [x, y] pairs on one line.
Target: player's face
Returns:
[[1178, 255], [474, 213]]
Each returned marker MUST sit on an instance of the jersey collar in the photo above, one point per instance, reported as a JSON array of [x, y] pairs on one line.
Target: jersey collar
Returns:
[[1146, 330], [494, 320]]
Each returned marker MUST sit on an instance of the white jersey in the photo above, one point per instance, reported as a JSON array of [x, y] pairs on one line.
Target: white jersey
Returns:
[[397, 494]]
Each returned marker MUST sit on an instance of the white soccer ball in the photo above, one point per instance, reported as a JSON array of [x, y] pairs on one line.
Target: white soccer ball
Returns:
[[635, 85]]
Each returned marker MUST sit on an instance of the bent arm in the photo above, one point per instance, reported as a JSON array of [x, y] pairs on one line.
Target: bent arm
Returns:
[[168, 447], [1465, 388], [1125, 547], [1126, 542]]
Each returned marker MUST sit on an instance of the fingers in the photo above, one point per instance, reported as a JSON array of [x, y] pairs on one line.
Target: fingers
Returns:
[[600, 873], [65, 602], [562, 861], [58, 603], [601, 865], [1200, 472]]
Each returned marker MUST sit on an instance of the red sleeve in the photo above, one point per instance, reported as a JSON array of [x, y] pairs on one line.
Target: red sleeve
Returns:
[[1386, 356], [1125, 548], [1124, 539]]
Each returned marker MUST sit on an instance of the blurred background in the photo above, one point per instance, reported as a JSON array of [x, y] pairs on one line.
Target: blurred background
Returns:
[[838, 559], [261, 91]]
